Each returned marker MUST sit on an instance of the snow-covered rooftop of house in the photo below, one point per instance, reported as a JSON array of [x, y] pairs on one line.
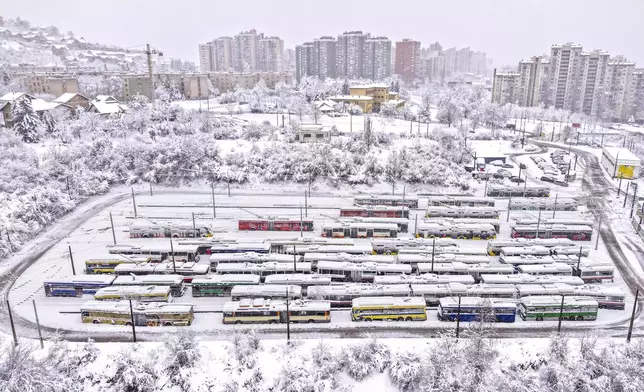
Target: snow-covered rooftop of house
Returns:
[[622, 154], [40, 105], [374, 85], [66, 97], [108, 107], [396, 101], [10, 97], [351, 97], [311, 127], [105, 99]]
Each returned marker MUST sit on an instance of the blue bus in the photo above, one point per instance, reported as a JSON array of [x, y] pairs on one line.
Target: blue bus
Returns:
[[76, 286], [476, 309]]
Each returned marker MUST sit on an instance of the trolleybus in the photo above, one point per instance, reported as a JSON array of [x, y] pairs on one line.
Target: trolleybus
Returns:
[[476, 309], [541, 308], [260, 310], [221, 285], [136, 293], [144, 314], [388, 308], [410, 202]]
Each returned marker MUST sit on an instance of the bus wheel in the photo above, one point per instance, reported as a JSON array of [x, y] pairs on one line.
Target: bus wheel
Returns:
[[367, 319], [129, 324], [539, 318], [273, 322], [167, 324], [580, 318], [399, 319], [408, 319], [96, 322], [311, 321], [237, 321]]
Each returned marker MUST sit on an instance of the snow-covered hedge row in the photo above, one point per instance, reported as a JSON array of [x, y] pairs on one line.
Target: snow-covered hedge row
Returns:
[[473, 364]]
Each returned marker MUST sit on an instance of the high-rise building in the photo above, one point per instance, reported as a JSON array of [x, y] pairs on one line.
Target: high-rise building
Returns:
[[618, 89], [593, 71], [270, 53], [222, 54], [350, 54], [504, 88], [304, 61], [245, 51], [206, 57], [376, 59], [324, 57], [528, 89], [289, 60], [408, 59], [638, 95], [564, 74]]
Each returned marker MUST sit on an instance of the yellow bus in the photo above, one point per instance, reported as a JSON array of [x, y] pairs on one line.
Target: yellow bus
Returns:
[[106, 264], [144, 314], [388, 308], [260, 310]]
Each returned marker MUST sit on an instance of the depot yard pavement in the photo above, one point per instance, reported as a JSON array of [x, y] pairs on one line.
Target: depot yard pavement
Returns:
[[91, 238]]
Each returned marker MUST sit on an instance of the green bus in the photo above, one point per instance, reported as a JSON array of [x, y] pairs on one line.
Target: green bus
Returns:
[[541, 308], [221, 285]]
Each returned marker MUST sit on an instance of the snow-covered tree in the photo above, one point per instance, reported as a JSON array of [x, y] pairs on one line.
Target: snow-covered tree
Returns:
[[25, 120], [20, 371], [364, 359], [182, 354], [388, 110], [354, 109], [130, 369], [345, 87]]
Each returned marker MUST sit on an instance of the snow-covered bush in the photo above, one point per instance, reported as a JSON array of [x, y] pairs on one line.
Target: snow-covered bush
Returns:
[[182, 354], [406, 371], [246, 344], [131, 369], [364, 359]]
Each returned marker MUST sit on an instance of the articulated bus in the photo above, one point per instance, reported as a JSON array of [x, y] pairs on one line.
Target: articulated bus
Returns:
[[575, 233], [375, 211], [158, 252], [388, 308], [282, 245], [462, 212], [402, 223], [106, 264], [473, 270], [476, 309], [531, 279], [460, 201], [360, 230], [543, 204], [221, 285], [144, 229], [175, 282], [494, 246], [76, 286], [275, 224], [145, 314], [456, 231], [541, 308], [260, 310], [517, 191], [350, 249], [138, 293], [410, 202], [255, 247]]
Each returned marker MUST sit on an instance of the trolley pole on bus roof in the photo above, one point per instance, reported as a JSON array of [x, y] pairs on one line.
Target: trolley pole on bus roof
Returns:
[[630, 324], [134, 203], [538, 224], [579, 261], [112, 224], [458, 318], [214, 211], [42, 344], [174, 265], [132, 322], [599, 228], [554, 210], [433, 252], [71, 259], [561, 313]]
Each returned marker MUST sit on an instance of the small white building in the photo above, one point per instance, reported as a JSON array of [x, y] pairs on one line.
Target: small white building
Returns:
[[312, 133], [619, 162]]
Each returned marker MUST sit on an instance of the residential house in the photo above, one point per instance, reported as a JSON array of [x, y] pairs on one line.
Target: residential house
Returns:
[[74, 99], [312, 133], [106, 105], [364, 102], [6, 104]]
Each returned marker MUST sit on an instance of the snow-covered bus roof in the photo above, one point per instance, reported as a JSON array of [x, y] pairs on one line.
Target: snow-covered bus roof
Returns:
[[235, 246], [532, 279], [92, 279], [443, 267], [423, 279], [311, 241], [110, 257], [526, 260], [188, 267], [552, 268], [559, 228], [591, 266], [301, 279], [525, 250], [414, 242], [467, 259], [598, 290], [123, 306], [452, 302], [451, 226], [376, 267], [132, 290], [387, 302], [252, 257], [358, 289], [228, 279], [353, 249], [134, 268], [261, 304], [463, 208], [440, 288], [555, 301], [556, 221], [152, 247], [385, 197], [269, 290], [491, 289], [271, 266], [521, 242], [526, 290], [351, 258], [359, 225], [148, 279]]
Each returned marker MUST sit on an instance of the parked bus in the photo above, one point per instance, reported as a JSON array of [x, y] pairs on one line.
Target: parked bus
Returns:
[[428, 250], [555, 221], [275, 224], [268, 291], [409, 202], [476, 309], [341, 295], [175, 282], [517, 191], [303, 280], [494, 246], [346, 257], [606, 297], [423, 279], [361, 272], [351, 249], [496, 223], [282, 245], [531, 290], [594, 272], [462, 212], [432, 293], [575, 233], [264, 269], [77, 285], [189, 271], [204, 244], [255, 247], [394, 245], [360, 230], [144, 314], [531, 279], [135, 269], [460, 201], [248, 257], [375, 211], [106, 264], [135, 293], [221, 285], [456, 231], [259, 310], [541, 308], [545, 269], [388, 308], [543, 204], [157, 252], [145, 229], [402, 223], [535, 250]]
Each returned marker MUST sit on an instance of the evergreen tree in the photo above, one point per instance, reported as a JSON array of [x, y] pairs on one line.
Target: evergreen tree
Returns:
[[345, 88], [5, 79], [25, 120], [397, 86]]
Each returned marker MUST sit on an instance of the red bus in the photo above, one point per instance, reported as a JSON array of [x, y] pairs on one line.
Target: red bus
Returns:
[[575, 233], [275, 225], [376, 211]]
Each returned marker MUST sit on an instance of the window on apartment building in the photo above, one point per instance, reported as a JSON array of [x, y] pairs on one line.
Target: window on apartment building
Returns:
[[319, 135], [307, 135]]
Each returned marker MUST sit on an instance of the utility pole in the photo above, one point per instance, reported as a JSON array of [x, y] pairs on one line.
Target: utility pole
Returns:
[[42, 344], [71, 259], [560, 314], [134, 203], [458, 317], [630, 325], [599, 228], [214, 211], [132, 322], [619, 187], [301, 233], [509, 208], [433, 252], [288, 319], [149, 52], [579, 261], [486, 180], [174, 265], [634, 198], [626, 194], [416, 226], [112, 224], [306, 204], [538, 224], [194, 227], [294, 260], [554, 210], [13, 327]]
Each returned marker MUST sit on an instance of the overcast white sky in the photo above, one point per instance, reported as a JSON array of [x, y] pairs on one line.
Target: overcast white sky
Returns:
[[507, 30]]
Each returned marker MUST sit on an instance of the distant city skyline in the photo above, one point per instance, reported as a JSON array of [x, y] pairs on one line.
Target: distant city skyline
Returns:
[[506, 30]]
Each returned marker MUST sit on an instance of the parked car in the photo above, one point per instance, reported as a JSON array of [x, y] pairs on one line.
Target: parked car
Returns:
[[516, 179], [547, 179], [560, 183], [508, 166], [496, 163]]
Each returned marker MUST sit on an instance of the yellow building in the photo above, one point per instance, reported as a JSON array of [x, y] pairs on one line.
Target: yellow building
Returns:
[[364, 102], [379, 92]]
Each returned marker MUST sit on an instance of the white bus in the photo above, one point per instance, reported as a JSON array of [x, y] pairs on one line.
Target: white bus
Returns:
[[189, 270], [341, 295], [607, 297], [157, 252], [394, 245], [529, 290], [594, 272], [423, 279], [388, 308], [545, 269], [281, 245], [494, 246], [535, 250], [175, 282], [260, 310], [483, 290], [269, 291], [462, 212], [402, 223], [456, 231], [531, 279], [351, 249], [547, 204], [349, 258], [360, 230], [525, 260], [264, 269], [145, 229], [361, 272], [249, 257], [138, 293], [432, 293], [304, 280]]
